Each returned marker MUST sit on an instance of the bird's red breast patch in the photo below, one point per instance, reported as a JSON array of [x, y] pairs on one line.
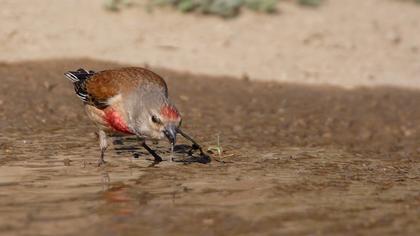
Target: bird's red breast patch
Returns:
[[114, 119], [169, 112]]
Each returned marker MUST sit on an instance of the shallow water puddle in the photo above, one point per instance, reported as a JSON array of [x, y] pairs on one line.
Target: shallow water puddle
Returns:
[[12, 175], [296, 161], [45, 188]]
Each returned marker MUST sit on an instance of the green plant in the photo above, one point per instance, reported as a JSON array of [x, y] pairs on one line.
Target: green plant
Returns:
[[268, 6], [311, 3], [217, 148], [114, 5], [224, 8]]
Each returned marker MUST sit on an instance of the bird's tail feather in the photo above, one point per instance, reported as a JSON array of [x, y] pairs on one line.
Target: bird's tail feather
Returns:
[[79, 75], [78, 79]]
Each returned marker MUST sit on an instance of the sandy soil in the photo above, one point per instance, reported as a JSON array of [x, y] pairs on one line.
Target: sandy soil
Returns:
[[298, 161], [345, 42]]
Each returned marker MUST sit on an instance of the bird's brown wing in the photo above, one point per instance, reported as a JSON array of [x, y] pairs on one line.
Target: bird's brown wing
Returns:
[[106, 84]]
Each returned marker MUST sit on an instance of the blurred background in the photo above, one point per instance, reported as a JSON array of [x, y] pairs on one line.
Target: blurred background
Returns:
[[346, 42], [310, 110]]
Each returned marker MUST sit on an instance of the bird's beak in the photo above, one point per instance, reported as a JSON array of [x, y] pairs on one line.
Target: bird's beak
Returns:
[[170, 133]]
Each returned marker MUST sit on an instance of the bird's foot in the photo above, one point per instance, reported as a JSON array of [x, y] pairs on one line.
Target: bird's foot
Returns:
[[157, 159], [101, 162]]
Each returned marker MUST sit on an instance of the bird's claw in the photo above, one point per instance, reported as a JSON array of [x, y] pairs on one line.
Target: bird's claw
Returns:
[[101, 162], [195, 146]]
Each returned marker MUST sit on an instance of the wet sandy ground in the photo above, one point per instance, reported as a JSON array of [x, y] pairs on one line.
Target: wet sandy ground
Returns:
[[297, 161]]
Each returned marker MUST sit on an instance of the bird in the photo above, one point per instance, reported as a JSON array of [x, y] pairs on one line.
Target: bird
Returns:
[[128, 101]]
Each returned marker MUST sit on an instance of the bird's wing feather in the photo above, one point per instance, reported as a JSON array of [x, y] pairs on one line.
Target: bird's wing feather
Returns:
[[104, 85]]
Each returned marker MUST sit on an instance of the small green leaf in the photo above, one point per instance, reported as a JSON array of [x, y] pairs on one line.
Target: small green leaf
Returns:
[[111, 5], [186, 5], [311, 3], [268, 6]]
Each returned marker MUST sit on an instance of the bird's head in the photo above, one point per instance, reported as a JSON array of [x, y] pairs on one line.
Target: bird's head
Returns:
[[153, 116], [164, 122]]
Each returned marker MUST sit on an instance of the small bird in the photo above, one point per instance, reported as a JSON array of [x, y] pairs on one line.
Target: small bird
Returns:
[[128, 101]]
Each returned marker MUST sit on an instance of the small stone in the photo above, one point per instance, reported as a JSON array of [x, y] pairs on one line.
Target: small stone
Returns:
[[237, 128], [394, 37], [208, 221], [67, 162], [184, 98], [245, 77]]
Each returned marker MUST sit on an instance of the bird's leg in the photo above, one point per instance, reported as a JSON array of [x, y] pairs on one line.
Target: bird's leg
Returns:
[[172, 152], [194, 146], [104, 145], [153, 153]]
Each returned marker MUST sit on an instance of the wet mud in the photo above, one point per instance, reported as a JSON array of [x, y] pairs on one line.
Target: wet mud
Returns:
[[295, 160]]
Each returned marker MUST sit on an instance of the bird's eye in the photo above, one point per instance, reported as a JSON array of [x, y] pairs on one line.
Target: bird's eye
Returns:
[[156, 120]]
